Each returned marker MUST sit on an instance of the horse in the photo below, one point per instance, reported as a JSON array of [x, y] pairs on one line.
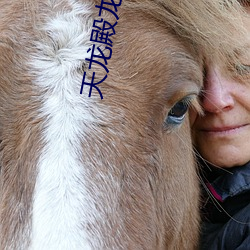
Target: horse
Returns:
[[88, 163]]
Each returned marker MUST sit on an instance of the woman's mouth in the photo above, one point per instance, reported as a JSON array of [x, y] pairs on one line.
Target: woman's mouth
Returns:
[[224, 130]]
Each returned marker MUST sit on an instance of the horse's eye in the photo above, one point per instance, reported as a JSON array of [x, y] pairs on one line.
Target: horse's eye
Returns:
[[178, 112]]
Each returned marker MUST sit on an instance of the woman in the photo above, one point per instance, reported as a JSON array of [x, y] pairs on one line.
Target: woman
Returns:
[[222, 139]]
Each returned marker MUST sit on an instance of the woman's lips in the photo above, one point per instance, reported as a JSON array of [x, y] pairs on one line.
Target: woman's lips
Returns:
[[225, 130]]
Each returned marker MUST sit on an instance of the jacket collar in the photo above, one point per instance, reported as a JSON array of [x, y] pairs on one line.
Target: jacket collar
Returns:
[[229, 183]]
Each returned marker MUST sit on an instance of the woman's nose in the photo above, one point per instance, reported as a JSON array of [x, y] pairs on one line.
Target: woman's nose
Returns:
[[217, 93]]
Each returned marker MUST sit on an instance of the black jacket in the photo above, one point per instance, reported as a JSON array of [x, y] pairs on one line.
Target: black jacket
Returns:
[[226, 211]]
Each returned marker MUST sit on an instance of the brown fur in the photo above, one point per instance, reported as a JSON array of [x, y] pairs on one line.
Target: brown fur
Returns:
[[149, 196]]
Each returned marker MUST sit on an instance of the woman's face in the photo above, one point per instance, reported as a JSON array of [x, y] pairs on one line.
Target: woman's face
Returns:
[[222, 136]]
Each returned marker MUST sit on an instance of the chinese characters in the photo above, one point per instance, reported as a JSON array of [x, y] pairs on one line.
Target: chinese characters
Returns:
[[102, 32]]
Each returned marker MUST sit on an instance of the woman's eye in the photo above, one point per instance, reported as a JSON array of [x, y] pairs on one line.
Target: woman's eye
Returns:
[[242, 69], [177, 113]]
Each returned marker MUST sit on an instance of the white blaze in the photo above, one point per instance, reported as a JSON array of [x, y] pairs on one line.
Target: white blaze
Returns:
[[61, 202]]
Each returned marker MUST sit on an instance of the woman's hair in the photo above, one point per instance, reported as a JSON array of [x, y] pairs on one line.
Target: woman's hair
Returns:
[[209, 25], [244, 2]]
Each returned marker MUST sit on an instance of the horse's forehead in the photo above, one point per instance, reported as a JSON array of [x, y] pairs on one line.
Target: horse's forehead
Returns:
[[165, 62], [157, 58]]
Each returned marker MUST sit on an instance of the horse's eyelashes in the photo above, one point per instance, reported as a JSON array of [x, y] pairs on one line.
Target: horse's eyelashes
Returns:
[[177, 113], [178, 110]]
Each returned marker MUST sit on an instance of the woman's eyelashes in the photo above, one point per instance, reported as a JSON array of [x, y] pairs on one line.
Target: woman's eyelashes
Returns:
[[242, 69]]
